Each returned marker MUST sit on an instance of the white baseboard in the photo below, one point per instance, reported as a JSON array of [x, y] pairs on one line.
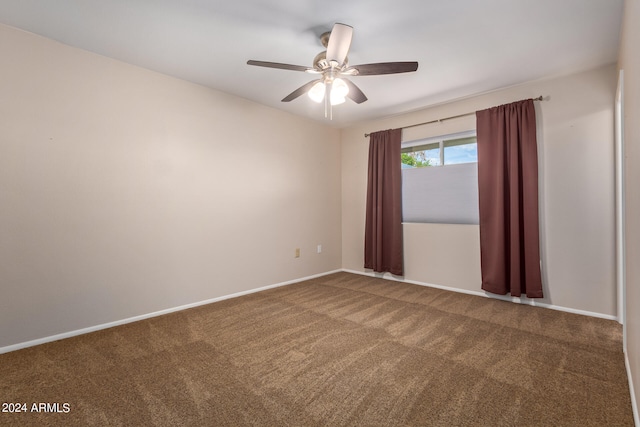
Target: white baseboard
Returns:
[[518, 300], [70, 334], [634, 404]]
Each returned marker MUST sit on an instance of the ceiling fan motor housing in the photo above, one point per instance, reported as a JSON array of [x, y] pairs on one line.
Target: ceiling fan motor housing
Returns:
[[320, 62]]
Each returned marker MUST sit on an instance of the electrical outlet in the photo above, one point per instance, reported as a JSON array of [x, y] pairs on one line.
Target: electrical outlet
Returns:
[[319, 249], [297, 252]]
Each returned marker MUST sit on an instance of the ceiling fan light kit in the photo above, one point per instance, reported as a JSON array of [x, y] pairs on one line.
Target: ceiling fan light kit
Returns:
[[338, 90], [332, 65]]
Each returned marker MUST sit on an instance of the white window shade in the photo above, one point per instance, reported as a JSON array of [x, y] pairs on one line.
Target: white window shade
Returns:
[[446, 194]]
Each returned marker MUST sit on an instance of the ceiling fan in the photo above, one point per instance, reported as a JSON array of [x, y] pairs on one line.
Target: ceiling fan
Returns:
[[332, 66]]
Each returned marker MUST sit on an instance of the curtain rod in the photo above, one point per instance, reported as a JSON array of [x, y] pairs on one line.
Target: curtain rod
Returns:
[[446, 118]]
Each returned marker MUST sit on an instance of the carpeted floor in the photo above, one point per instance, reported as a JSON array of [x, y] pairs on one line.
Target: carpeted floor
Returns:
[[340, 350]]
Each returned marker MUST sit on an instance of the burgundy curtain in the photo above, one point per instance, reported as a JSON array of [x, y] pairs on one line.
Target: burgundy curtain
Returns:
[[508, 198], [383, 228]]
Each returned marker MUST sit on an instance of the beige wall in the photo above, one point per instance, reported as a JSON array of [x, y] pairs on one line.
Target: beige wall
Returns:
[[576, 147], [630, 63], [124, 192]]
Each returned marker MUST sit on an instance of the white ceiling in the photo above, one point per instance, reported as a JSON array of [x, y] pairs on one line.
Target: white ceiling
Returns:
[[464, 47]]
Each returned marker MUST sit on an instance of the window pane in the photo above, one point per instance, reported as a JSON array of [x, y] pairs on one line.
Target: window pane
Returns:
[[463, 150], [421, 156]]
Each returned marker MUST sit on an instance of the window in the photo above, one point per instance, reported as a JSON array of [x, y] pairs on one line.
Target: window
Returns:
[[458, 148], [440, 179]]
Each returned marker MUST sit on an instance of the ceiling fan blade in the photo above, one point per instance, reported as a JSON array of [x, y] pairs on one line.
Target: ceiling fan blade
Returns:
[[300, 91], [278, 65], [355, 94], [385, 68], [339, 43]]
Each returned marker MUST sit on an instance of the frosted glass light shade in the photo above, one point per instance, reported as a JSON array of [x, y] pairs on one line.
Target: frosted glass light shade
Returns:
[[335, 99], [316, 93], [339, 88], [339, 91]]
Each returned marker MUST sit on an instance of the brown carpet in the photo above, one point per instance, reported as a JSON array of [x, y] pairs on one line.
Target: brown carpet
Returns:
[[340, 350]]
